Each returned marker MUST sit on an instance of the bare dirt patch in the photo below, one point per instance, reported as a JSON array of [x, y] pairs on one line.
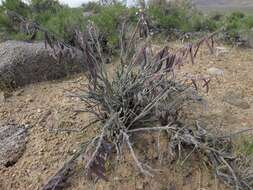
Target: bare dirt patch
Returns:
[[236, 81]]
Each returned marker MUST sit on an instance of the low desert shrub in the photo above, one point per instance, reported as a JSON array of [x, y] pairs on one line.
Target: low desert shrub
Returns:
[[245, 145], [163, 16], [65, 21], [109, 18], [236, 25]]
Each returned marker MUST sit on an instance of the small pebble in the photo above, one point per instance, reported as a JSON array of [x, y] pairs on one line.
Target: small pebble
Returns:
[[215, 71]]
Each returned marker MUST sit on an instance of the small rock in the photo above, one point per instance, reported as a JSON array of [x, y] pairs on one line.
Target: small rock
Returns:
[[172, 186], [250, 42], [2, 97], [29, 100], [221, 51], [19, 92], [139, 185], [244, 105], [44, 168], [247, 39], [236, 99], [88, 14], [13, 140], [116, 178], [215, 71]]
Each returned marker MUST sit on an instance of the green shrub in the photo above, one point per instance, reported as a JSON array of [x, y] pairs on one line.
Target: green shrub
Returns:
[[6, 27], [236, 15], [64, 22], [40, 6], [184, 17], [199, 22], [161, 14], [238, 21], [249, 147], [169, 17], [56, 17], [217, 16], [247, 22], [236, 24], [48, 13], [16, 5], [180, 16], [245, 145], [92, 7], [109, 19]]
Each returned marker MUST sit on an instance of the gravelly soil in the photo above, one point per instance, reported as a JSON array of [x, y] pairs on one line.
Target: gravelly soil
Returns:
[[45, 105]]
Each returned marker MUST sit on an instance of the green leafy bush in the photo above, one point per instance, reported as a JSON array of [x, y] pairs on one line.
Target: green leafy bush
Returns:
[[162, 15], [183, 17], [6, 27], [64, 22], [249, 147], [109, 19], [16, 5], [245, 145], [40, 6], [38, 10], [237, 24], [92, 7], [204, 23], [168, 17]]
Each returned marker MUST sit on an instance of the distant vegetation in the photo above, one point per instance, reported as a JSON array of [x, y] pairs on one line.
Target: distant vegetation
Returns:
[[162, 16]]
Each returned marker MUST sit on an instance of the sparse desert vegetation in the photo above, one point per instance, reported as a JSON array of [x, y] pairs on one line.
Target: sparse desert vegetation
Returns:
[[163, 99]]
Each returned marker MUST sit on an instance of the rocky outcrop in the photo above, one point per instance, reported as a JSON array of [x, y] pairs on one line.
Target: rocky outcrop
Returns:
[[23, 63]]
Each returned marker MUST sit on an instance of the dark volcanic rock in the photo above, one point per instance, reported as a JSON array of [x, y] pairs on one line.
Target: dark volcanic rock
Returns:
[[13, 140], [23, 63]]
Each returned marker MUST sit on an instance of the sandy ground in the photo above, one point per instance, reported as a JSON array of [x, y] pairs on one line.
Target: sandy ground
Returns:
[[237, 67], [46, 105]]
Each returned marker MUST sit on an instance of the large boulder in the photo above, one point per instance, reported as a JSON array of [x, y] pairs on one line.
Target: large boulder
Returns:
[[23, 63], [247, 39], [250, 41]]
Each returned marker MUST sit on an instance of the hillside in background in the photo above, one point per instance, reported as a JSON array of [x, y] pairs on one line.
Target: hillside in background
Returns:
[[225, 4]]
